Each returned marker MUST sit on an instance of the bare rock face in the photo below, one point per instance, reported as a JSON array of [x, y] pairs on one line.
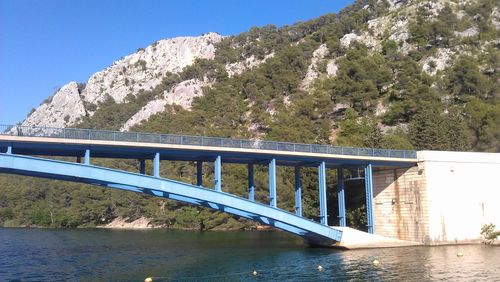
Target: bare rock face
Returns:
[[312, 70], [64, 108], [144, 70], [182, 94], [437, 62], [249, 63], [332, 68], [495, 17]]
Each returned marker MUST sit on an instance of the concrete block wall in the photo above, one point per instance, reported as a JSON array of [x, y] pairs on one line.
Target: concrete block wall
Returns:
[[446, 199], [464, 194], [400, 204]]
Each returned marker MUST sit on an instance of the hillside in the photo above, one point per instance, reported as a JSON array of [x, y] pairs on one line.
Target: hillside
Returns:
[[386, 74]]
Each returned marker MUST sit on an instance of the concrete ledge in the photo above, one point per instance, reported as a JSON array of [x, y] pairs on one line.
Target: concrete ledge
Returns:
[[355, 239]]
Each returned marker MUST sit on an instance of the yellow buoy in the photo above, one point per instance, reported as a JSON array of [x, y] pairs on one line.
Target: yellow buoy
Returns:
[[320, 268], [376, 262], [254, 272], [460, 254]]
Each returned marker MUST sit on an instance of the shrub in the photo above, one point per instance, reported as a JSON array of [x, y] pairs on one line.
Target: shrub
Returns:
[[489, 234]]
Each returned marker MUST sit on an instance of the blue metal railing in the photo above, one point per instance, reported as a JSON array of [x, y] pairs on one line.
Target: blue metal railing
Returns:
[[106, 135]]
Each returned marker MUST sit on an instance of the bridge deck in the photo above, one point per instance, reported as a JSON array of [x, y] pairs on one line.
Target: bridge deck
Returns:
[[47, 146]]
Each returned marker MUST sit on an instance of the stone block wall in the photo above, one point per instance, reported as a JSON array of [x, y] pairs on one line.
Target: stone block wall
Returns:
[[400, 203]]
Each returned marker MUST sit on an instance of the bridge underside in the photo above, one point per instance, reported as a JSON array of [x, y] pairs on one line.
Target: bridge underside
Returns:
[[312, 232]]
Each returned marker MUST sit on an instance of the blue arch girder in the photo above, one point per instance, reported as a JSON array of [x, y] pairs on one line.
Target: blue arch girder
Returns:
[[313, 232]]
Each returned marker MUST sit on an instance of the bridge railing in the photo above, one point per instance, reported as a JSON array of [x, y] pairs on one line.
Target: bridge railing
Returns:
[[106, 135]]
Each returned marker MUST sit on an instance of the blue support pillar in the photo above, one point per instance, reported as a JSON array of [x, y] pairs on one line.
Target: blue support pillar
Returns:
[[298, 192], [156, 165], [142, 166], [341, 196], [86, 158], [251, 184], [199, 173], [218, 174], [369, 198], [272, 183], [322, 193], [9, 149]]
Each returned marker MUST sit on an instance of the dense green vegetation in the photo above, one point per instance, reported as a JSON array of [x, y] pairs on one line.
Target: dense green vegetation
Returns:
[[377, 99]]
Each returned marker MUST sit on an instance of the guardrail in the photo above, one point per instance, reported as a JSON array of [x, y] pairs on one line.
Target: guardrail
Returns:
[[91, 134]]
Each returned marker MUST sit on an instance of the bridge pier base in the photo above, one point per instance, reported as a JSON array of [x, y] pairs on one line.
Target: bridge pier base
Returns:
[[86, 158], [9, 149], [272, 183], [199, 173], [251, 184], [218, 174], [156, 165], [142, 166], [322, 193], [298, 192], [341, 197], [369, 198]]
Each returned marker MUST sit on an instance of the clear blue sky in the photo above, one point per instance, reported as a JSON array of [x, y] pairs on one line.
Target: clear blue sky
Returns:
[[45, 44]]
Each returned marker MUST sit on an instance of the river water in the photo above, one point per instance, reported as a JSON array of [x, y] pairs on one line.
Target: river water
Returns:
[[113, 255]]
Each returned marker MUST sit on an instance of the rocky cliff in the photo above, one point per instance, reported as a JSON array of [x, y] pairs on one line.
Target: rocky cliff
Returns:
[[137, 72]]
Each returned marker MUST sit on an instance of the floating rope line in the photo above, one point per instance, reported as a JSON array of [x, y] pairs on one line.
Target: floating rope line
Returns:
[[254, 273]]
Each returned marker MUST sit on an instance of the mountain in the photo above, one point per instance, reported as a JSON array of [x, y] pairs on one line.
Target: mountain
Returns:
[[390, 74]]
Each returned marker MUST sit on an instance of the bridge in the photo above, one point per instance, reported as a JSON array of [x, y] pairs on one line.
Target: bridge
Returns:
[[28, 151]]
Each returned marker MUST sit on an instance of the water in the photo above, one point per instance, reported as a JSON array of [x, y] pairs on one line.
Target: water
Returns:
[[111, 255]]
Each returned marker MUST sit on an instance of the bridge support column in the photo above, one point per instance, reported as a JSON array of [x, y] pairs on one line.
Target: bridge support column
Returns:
[[218, 174], [251, 184], [369, 198], [199, 173], [142, 166], [272, 183], [9, 150], [298, 192], [86, 158], [322, 193], [156, 165], [341, 196]]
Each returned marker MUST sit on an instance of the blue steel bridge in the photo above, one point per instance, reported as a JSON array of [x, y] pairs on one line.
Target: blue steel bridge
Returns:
[[25, 151]]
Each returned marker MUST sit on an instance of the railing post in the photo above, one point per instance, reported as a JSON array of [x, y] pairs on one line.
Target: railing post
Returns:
[[156, 165], [298, 192], [322, 193], [272, 183], [88, 132], [199, 173], [369, 199], [218, 174], [251, 184], [341, 196], [86, 158]]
